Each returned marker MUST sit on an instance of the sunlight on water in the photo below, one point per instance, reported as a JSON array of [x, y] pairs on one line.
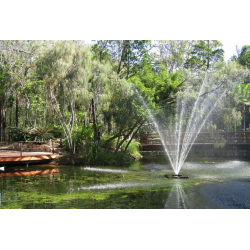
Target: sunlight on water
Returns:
[[217, 170], [106, 170], [115, 186], [155, 167], [231, 164]]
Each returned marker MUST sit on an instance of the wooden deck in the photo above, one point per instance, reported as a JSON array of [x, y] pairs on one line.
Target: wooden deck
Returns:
[[10, 158], [204, 140]]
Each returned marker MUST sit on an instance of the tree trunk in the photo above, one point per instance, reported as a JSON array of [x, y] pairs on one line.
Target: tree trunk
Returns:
[[113, 137], [94, 120], [109, 128], [125, 44], [26, 115], [10, 120], [208, 56], [133, 136], [0, 120], [125, 137], [17, 106], [4, 125]]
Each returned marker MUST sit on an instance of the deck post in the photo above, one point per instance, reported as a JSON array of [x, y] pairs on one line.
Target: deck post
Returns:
[[21, 149], [53, 147]]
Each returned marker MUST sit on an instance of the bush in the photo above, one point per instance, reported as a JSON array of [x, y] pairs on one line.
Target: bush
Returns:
[[31, 134], [96, 153]]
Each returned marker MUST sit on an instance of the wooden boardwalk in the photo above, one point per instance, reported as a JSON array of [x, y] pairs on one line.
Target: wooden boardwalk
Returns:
[[204, 140], [7, 157]]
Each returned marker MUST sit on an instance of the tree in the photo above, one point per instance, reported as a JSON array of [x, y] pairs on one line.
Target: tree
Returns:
[[230, 111], [244, 56], [204, 54], [62, 68], [157, 86], [125, 56], [127, 112], [18, 57], [174, 53]]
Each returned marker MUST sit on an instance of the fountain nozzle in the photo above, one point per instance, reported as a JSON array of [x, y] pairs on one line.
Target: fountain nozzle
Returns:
[[176, 176]]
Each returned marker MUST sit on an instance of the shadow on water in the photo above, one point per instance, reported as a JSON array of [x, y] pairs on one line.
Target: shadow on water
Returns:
[[212, 184]]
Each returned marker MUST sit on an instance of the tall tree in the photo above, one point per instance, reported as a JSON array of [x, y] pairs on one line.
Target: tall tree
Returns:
[[61, 66], [18, 57], [125, 56], [204, 54], [174, 53]]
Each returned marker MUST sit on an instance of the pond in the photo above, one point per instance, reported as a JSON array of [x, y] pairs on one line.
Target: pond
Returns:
[[212, 184]]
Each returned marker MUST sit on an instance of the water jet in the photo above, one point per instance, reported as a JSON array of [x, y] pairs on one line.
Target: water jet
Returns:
[[194, 105]]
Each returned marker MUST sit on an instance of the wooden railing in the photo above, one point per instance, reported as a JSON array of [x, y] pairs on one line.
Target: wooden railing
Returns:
[[227, 137], [33, 146]]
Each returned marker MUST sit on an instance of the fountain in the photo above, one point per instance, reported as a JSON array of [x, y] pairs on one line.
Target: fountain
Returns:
[[176, 176], [195, 103]]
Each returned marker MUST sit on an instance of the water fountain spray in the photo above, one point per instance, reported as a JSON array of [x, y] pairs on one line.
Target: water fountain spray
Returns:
[[195, 103]]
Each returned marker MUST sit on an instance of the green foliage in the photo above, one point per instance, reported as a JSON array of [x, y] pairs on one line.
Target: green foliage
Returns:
[[100, 51], [77, 138], [102, 153], [134, 149], [10, 101], [31, 134], [242, 93], [158, 88], [205, 53], [92, 152], [174, 53], [219, 141], [41, 133], [56, 130], [19, 134], [126, 55], [49, 86], [244, 56]]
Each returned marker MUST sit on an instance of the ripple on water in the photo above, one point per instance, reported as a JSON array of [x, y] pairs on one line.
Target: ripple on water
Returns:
[[106, 170], [153, 166], [114, 186]]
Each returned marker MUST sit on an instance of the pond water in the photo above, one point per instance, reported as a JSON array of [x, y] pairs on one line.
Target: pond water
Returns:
[[212, 184]]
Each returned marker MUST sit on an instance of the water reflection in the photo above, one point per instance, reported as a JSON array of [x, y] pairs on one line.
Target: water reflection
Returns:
[[23, 172], [211, 185], [177, 198]]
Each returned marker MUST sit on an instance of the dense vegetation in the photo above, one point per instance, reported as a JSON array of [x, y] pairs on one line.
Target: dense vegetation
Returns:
[[91, 96]]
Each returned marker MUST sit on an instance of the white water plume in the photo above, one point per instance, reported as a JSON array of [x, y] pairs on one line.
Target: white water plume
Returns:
[[195, 103]]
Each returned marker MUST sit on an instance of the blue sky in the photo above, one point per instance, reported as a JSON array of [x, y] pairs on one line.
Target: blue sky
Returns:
[[229, 46]]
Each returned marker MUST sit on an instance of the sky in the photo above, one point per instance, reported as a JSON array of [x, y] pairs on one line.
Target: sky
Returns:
[[229, 46]]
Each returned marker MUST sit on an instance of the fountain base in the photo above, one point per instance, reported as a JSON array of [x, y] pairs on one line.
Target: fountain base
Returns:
[[176, 176]]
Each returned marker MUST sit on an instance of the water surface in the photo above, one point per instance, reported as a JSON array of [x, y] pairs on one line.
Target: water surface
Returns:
[[212, 184]]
